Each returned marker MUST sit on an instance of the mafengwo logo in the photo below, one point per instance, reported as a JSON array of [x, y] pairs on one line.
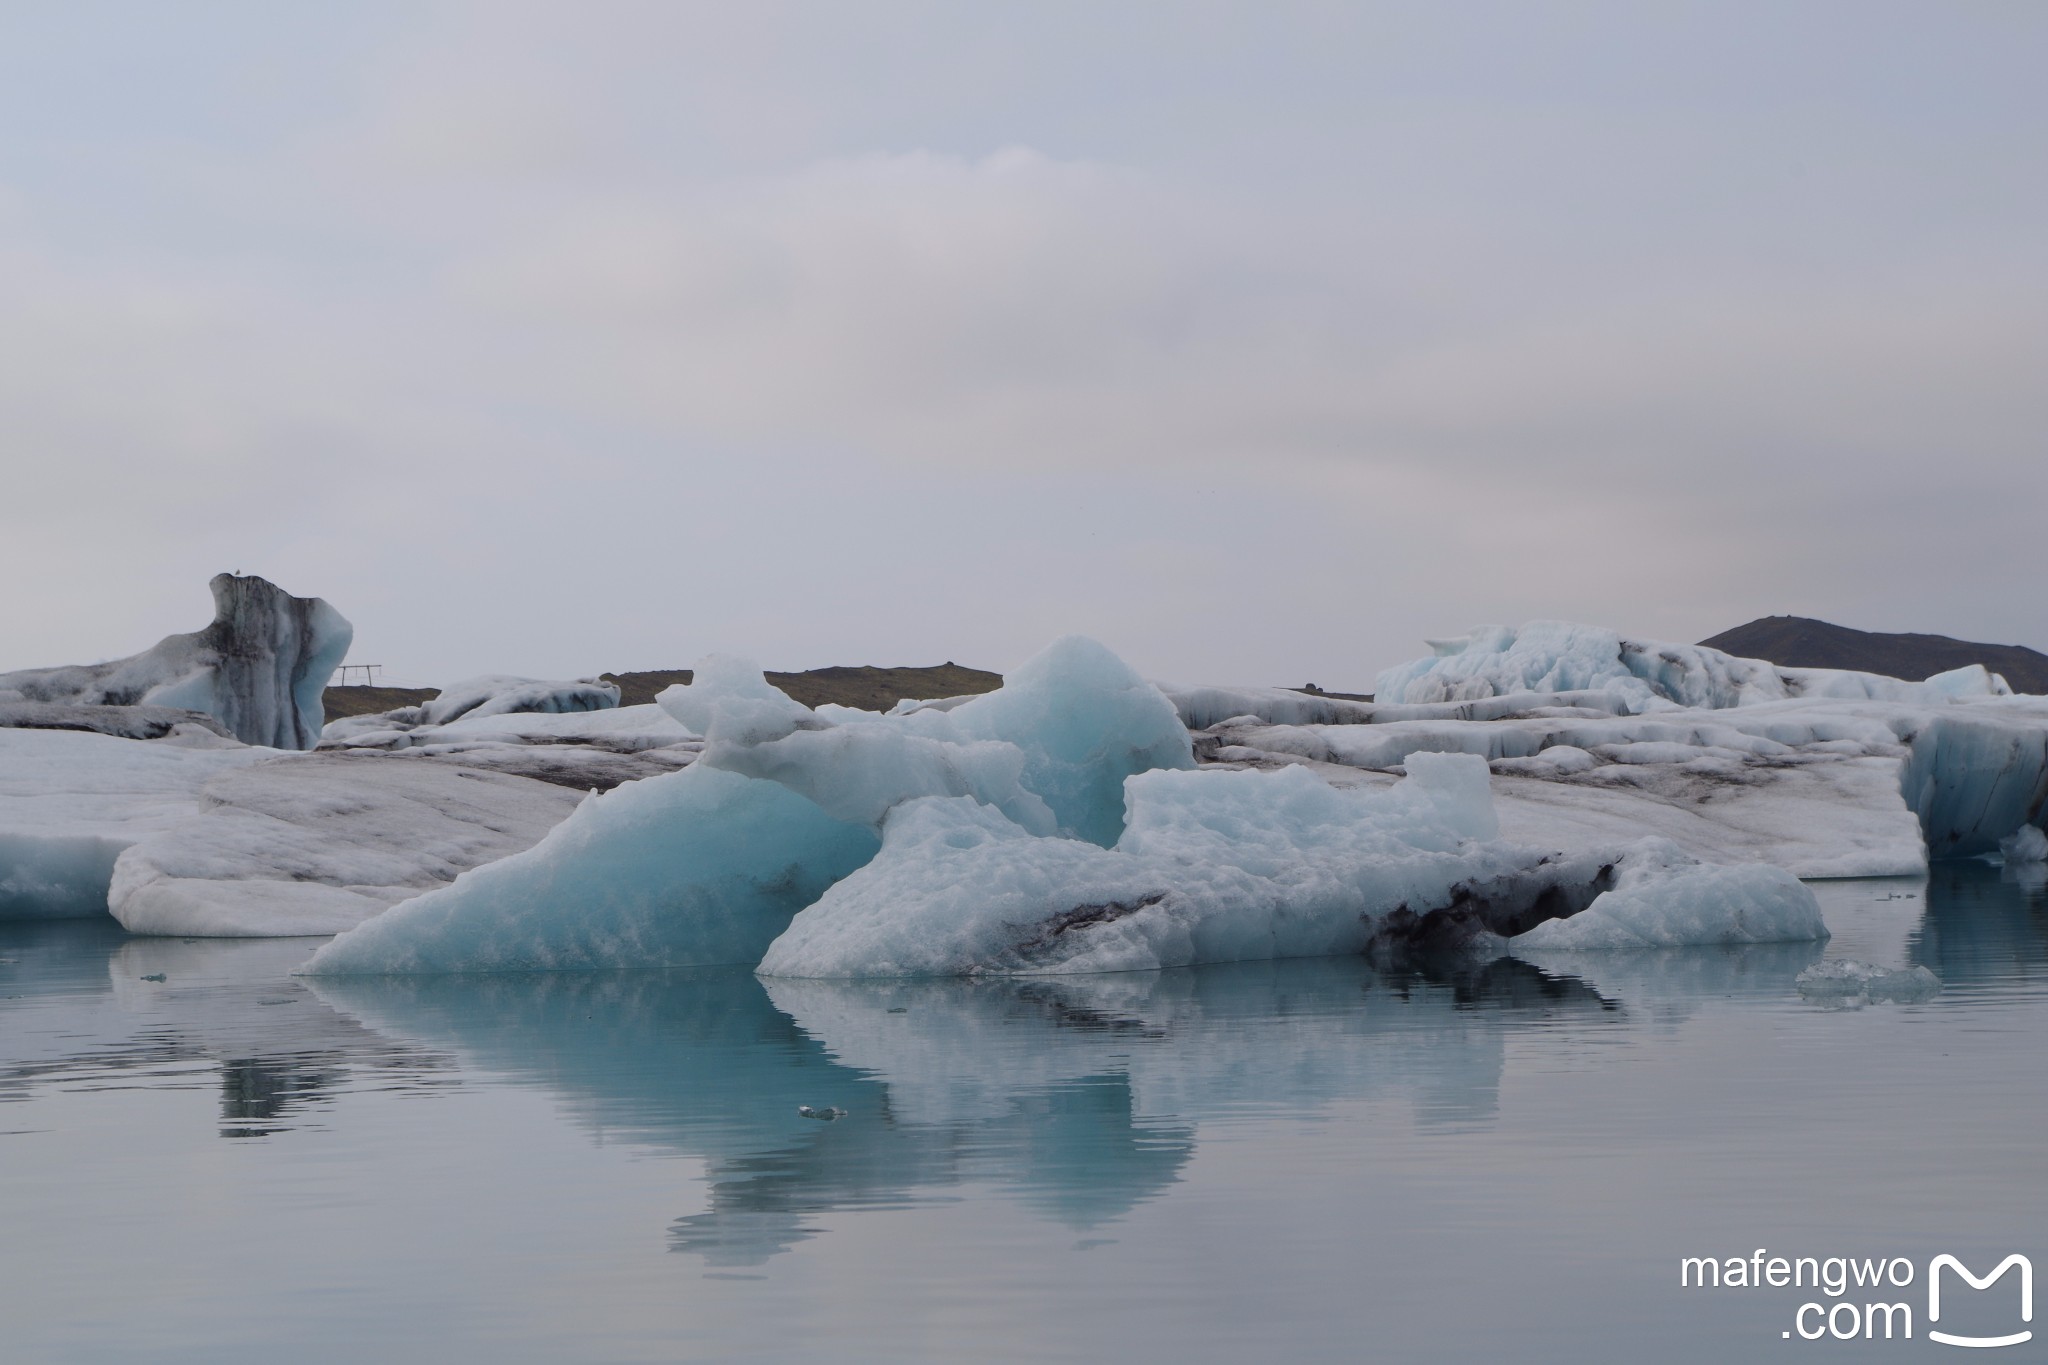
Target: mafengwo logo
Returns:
[[1865, 1317]]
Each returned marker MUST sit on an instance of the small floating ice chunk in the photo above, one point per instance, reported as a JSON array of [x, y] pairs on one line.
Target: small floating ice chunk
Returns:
[[2027, 844], [1673, 902], [1846, 979]]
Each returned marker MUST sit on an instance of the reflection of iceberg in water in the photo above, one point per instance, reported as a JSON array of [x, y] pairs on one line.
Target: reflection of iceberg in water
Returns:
[[696, 1062], [89, 1007], [1075, 1152], [1983, 924], [1274, 1035], [1664, 986], [1081, 1097]]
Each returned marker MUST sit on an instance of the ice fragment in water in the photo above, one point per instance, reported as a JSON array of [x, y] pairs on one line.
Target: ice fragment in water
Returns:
[[1846, 979]]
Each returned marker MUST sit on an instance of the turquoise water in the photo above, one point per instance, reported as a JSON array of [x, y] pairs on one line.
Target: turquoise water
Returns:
[[1288, 1161]]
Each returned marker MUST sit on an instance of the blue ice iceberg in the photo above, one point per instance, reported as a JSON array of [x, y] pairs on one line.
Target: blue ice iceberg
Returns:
[[694, 868], [1214, 867], [709, 864], [1054, 826]]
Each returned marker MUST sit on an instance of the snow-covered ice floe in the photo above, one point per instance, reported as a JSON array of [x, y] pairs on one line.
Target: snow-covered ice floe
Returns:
[[71, 802], [586, 749], [501, 695], [318, 843], [491, 702], [201, 835], [1558, 656], [1057, 825], [1822, 773]]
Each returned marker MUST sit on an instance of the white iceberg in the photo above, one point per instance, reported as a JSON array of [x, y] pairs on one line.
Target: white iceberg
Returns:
[[709, 865], [1053, 826], [498, 695], [318, 843], [1821, 786], [587, 750], [178, 836], [260, 667], [1662, 899], [72, 801], [1559, 656], [1213, 867]]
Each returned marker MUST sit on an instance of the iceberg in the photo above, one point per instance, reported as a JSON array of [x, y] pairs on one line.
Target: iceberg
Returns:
[[1061, 825], [700, 867], [1663, 899], [124, 722], [586, 750], [1213, 867], [72, 801], [1560, 656], [259, 668], [498, 695], [1084, 720], [1844, 775], [1069, 822], [201, 835], [318, 843], [1224, 867], [710, 864], [2027, 844]]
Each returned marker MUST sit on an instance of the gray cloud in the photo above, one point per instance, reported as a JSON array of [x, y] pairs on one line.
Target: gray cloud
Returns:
[[1260, 342]]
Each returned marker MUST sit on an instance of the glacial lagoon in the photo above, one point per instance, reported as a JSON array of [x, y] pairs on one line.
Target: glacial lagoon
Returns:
[[205, 1158]]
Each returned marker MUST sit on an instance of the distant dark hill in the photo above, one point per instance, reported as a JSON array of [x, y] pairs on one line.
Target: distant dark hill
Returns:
[[1798, 642], [870, 688], [363, 701]]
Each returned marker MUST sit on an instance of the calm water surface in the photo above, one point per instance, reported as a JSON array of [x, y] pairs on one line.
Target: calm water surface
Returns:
[[1289, 1161]]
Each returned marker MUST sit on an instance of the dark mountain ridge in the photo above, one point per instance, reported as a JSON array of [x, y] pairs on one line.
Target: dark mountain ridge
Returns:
[[1801, 642]]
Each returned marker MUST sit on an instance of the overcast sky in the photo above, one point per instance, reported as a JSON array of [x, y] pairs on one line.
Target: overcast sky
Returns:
[[1258, 341]]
